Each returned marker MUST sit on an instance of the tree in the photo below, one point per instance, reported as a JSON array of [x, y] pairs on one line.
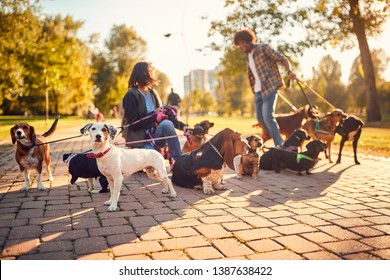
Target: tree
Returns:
[[123, 49], [323, 23], [327, 82]]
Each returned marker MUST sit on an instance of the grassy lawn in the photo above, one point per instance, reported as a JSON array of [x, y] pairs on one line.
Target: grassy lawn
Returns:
[[375, 138]]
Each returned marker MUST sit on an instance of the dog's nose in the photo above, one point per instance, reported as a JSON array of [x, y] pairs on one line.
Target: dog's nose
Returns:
[[98, 137], [18, 133]]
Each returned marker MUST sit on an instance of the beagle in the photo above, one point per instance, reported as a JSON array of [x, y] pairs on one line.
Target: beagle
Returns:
[[31, 152], [115, 163]]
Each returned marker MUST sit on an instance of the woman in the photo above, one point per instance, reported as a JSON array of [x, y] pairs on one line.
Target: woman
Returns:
[[141, 112]]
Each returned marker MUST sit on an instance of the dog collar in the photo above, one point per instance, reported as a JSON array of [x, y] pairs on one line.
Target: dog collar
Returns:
[[301, 156], [98, 155], [215, 149]]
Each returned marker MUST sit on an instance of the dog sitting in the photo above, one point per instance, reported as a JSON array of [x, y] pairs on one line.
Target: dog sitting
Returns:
[[31, 152], [115, 163], [297, 161], [248, 162], [325, 128], [197, 136], [290, 122], [203, 166], [350, 129], [84, 166]]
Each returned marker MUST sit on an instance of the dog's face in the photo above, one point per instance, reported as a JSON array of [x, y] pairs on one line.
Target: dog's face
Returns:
[[206, 125], [301, 135], [24, 133], [311, 111], [316, 145], [100, 133], [336, 116], [198, 131], [255, 141]]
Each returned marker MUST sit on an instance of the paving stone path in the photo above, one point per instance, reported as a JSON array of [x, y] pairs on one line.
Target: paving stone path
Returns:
[[340, 212]]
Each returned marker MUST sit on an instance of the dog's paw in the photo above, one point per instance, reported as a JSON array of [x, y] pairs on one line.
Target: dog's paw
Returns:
[[41, 187], [51, 178], [24, 188], [165, 190], [112, 208], [218, 186], [208, 191], [173, 194], [93, 191], [108, 202], [254, 177]]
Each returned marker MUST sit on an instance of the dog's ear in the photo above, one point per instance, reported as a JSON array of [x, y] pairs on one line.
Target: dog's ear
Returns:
[[211, 124], [84, 130], [261, 142], [33, 136], [111, 131], [249, 138], [13, 135]]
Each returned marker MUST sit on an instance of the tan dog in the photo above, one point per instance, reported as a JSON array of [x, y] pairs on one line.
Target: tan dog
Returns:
[[31, 152], [248, 162], [325, 128], [198, 136]]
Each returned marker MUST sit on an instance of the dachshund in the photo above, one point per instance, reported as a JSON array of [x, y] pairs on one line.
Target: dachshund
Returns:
[[197, 136], [297, 161], [350, 129], [248, 162], [203, 166], [325, 128]]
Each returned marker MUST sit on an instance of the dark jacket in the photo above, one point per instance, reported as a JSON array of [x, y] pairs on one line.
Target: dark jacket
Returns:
[[135, 109]]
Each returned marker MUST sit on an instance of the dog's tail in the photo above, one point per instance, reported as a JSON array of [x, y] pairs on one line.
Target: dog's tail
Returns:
[[52, 128]]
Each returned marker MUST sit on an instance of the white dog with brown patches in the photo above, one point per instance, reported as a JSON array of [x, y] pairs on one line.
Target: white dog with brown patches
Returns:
[[115, 163]]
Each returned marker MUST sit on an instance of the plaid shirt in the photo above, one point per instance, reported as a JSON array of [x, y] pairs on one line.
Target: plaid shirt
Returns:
[[266, 66]]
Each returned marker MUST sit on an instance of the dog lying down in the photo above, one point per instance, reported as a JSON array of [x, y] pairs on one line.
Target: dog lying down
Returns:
[[281, 159], [115, 163], [82, 166]]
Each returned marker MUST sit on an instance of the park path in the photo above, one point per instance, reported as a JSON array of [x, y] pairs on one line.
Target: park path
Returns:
[[340, 212]]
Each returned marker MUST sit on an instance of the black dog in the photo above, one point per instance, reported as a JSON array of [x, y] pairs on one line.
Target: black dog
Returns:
[[80, 166], [292, 144], [350, 129], [295, 141], [297, 161]]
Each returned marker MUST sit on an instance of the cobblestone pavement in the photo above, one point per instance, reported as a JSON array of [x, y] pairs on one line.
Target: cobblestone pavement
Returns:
[[340, 212]]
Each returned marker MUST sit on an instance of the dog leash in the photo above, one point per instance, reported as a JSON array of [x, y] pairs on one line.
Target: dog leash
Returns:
[[54, 141], [317, 94]]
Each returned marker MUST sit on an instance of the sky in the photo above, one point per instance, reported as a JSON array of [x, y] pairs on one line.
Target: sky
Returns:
[[188, 21]]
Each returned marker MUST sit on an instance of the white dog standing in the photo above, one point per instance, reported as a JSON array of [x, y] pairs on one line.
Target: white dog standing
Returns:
[[115, 163]]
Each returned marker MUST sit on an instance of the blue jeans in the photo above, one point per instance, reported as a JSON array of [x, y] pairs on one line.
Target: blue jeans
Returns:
[[166, 128], [265, 107]]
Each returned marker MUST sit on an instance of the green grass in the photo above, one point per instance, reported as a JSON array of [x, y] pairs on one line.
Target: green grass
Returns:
[[375, 138]]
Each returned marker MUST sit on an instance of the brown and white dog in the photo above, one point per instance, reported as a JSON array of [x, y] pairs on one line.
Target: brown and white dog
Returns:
[[198, 136], [248, 162], [202, 167], [325, 128], [31, 152], [115, 163]]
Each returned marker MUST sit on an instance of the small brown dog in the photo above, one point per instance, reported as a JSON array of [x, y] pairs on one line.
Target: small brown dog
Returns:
[[198, 136], [248, 162], [31, 152], [325, 128]]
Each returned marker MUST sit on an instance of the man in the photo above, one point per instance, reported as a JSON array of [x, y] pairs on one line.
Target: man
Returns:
[[264, 78], [174, 100]]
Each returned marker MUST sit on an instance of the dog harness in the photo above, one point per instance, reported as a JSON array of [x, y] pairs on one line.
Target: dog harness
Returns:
[[301, 156], [98, 155], [67, 161], [317, 129]]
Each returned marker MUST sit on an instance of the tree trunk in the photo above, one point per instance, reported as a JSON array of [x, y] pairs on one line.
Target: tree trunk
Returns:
[[372, 105]]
